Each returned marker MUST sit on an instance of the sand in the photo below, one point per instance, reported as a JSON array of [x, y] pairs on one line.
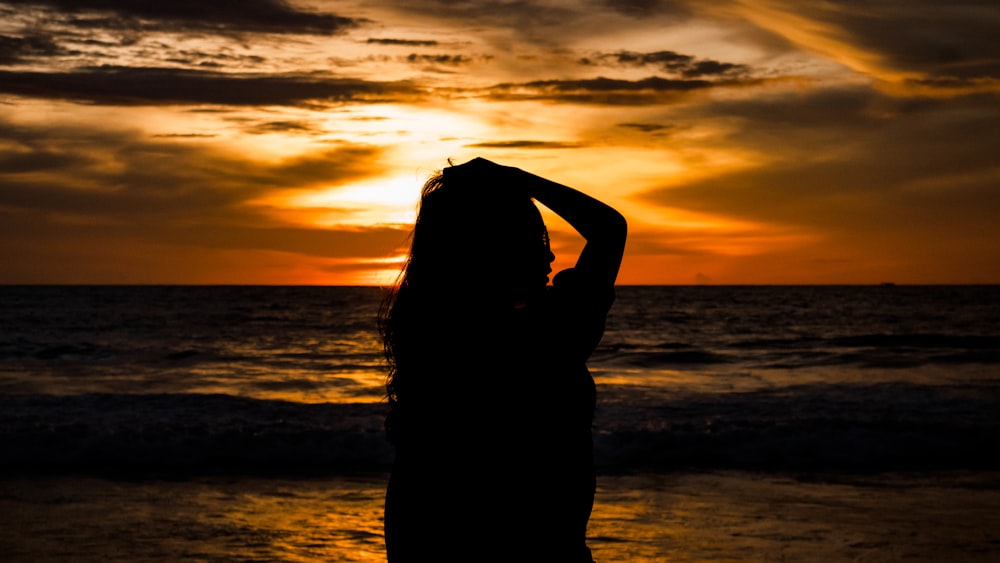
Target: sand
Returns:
[[682, 517]]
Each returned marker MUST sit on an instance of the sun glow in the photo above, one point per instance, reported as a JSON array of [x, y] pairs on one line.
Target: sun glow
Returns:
[[384, 277], [290, 144], [382, 201]]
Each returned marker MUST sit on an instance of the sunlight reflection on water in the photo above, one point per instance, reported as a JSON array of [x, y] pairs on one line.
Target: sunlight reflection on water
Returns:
[[638, 518]]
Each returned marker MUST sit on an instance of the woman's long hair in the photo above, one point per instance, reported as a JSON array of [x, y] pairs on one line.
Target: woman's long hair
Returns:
[[473, 243]]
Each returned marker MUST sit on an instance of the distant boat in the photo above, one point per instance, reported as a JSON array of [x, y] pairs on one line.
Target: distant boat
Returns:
[[887, 284]]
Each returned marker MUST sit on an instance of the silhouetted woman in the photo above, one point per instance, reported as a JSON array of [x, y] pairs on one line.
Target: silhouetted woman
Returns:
[[491, 403]]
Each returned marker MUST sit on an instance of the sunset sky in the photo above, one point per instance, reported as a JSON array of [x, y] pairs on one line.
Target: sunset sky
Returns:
[[270, 142]]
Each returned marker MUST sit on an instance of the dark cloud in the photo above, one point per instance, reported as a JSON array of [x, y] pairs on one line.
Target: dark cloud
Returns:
[[405, 42], [714, 68], [73, 185], [164, 86], [25, 229], [932, 39], [647, 8], [957, 40], [856, 165], [37, 249], [669, 61], [121, 174], [525, 144], [300, 127], [141, 197], [603, 91], [185, 136], [326, 242], [645, 127], [267, 16], [524, 16], [219, 59], [438, 59], [19, 49]]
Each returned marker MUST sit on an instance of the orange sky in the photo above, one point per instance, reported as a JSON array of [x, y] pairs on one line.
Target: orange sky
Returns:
[[273, 142]]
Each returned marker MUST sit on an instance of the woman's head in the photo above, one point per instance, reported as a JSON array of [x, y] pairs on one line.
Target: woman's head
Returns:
[[479, 234], [478, 249]]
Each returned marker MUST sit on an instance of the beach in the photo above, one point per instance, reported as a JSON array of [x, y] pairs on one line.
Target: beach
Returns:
[[169, 423], [644, 518]]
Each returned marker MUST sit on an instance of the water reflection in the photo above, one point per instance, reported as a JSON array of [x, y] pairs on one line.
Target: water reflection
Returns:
[[639, 518], [223, 519]]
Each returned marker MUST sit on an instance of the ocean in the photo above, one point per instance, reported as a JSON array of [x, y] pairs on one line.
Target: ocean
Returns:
[[741, 423]]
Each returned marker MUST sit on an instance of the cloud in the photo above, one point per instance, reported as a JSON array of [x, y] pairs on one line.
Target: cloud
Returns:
[[646, 127], [24, 230], [941, 40], [674, 63], [185, 136], [164, 86], [404, 42], [854, 165], [81, 184], [603, 91], [440, 59], [325, 242], [900, 160], [525, 144], [921, 39], [520, 15], [286, 126], [221, 16], [17, 50], [661, 242], [218, 60], [647, 8]]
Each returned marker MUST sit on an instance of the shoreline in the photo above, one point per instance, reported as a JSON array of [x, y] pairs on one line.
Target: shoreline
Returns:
[[638, 518]]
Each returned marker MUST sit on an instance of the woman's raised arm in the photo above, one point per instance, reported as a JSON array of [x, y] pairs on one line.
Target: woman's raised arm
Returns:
[[603, 227], [599, 224]]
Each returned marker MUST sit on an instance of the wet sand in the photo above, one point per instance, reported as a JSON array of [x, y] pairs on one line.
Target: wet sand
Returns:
[[721, 516], [745, 517]]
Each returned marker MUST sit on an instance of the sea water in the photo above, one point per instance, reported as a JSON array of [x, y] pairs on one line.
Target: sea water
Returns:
[[181, 388], [290, 378]]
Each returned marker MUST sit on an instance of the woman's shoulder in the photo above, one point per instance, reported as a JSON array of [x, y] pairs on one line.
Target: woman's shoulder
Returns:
[[572, 284], [575, 278], [578, 308]]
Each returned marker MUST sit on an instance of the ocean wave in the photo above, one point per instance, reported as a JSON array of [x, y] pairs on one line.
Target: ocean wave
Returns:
[[867, 428], [187, 433], [874, 350]]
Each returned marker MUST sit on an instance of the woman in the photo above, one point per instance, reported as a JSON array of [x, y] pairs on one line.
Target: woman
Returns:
[[491, 403]]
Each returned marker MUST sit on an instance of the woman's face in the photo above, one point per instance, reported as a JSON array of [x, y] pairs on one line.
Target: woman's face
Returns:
[[539, 265], [531, 264], [501, 244]]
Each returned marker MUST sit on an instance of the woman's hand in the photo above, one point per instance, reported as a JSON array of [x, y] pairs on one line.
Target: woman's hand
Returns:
[[603, 228], [482, 171]]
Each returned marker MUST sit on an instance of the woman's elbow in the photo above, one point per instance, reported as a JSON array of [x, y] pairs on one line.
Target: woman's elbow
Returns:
[[617, 226]]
